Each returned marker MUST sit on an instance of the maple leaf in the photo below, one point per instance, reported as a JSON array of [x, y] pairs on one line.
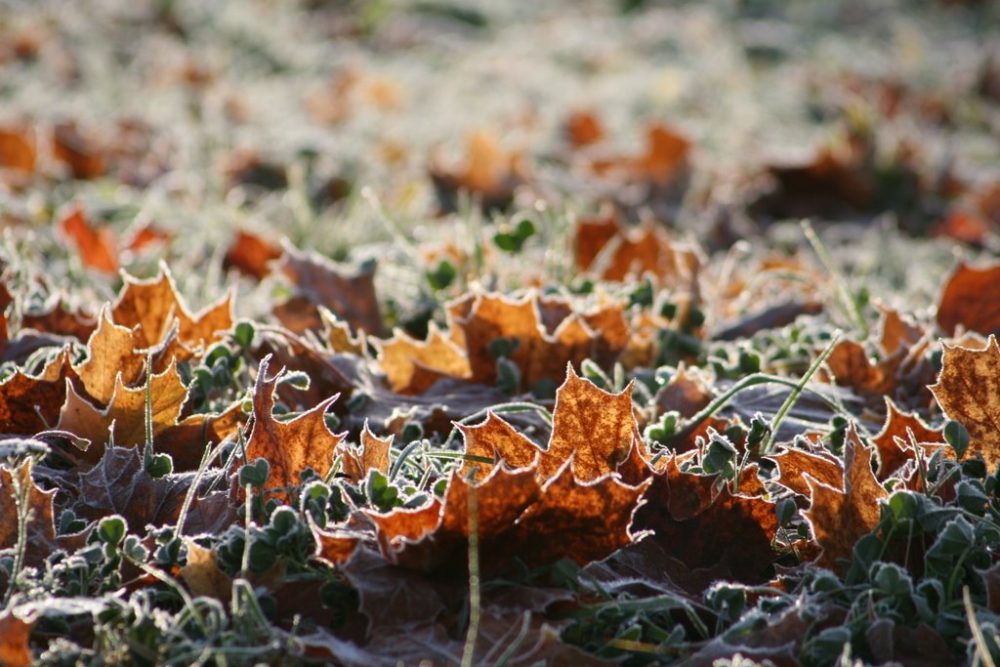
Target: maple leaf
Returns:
[[14, 635], [496, 439], [374, 455], [29, 404], [666, 156], [112, 355], [896, 331], [794, 464], [687, 392], [18, 151], [153, 306], [96, 247], [968, 390], [81, 154], [202, 574], [893, 442], [336, 546], [321, 282], [488, 172], [118, 484], [41, 530], [593, 427], [124, 418], [969, 300], [707, 528], [251, 255], [290, 447], [412, 366], [603, 246], [840, 515], [57, 318], [583, 128]]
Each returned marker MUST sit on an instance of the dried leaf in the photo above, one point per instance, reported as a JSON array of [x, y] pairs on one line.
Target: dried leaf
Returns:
[[14, 635], [41, 529], [795, 464], [323, 283], [969, 300], [489, 173], [112, 355], [290, 447], [251, 255], [412, 365], [80, 153], [97, 247], [374, 455], [968, 390], [496, 439], [29, 404], [893, 441], [153, 306], [840, 516], [203, 576]]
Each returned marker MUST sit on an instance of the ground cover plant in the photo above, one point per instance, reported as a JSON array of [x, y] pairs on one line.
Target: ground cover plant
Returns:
[[441, 333]]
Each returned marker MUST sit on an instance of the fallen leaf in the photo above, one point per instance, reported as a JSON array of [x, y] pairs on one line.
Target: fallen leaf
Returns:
[[79, 153], [41, 529], [29, 404], [841, 515], [14, 636], [794, 464], [112, 355], [583, 128], [969, 300], [351, 297], [203, 576], [488, 173], [374, 455], [968, 390], [413, 365], [97, 247], [893, 442], [290, 447], [496, 439], [251, 255]]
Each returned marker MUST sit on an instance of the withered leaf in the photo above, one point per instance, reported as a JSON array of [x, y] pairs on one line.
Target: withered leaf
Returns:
[[970, 299], [413, 365], [968, 390], [60, 320], [118, 484], [893, 440], [840, 516], [488, 172], [794, 464], [350, 297], [97, 247], [251, 255], [496, 439], [14, 635], [41, 529], [290, 447], [706, 528], [154, 304], [29, 404], [202, 574], [374, 455], [336, 546], [593, 427], [112, 355]]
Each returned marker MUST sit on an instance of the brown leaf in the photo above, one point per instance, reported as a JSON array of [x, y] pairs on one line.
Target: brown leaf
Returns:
[[81, 154], [251, 255], [968, 390], [112, 354], [666, 155], [840, 516], [60, 320], [583, 128], [708, 528], [97, 247], [488, 172], [17, 149], [794, 464], [203, 576], [605, 248], [413, 365], [896, 331], [374, 455], [118, 484], [29, 404], [126, 412], [593, 427], [323, 283], [850, 366], [580, 521], [970, 299], [41, 529], [494, 438], [893, 441], [686, 393], [336, 546], [153, 306], [14, 635], [290, 447]]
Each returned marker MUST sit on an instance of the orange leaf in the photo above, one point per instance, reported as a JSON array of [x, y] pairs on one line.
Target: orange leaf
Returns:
[[496, 439], [412, 365], [14, 635], [29, 404], [96, 247], [970, 299], [841, 515], [41, 529], [251, 255], [374, 454], [968, 390], [203, 576], [290, 447], [893, 441]]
